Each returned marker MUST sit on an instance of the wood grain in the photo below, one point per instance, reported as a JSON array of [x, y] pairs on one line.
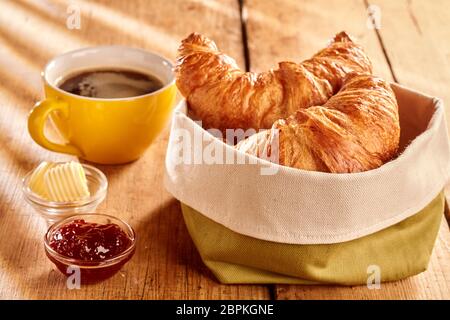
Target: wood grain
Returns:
[[293, 30], [416, 39], [166, 264]]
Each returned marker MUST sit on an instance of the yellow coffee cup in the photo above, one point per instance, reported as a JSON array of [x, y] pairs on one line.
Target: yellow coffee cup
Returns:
[[106, 131]]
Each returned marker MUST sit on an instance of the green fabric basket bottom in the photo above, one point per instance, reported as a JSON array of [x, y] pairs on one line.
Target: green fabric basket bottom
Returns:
[[399, 251]]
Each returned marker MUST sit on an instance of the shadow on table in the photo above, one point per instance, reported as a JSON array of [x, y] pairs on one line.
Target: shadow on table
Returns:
[[105, 24], [164, 239], [16, 273]]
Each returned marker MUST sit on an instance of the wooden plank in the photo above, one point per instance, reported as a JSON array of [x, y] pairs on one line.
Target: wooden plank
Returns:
[[166, 264], [293, 30], [416, 36]]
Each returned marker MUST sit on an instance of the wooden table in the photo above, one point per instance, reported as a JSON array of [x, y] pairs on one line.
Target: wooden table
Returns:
[[412, 47]]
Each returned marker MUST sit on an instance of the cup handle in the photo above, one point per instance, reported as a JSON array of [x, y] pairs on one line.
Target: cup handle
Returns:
[[36, 123]]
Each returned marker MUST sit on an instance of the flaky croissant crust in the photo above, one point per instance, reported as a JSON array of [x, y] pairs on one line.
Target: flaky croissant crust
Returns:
[[355, 130], [223, 96], [326, 114]]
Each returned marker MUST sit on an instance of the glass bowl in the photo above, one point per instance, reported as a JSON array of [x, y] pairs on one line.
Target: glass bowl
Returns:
[[91, 271], [54, 211]]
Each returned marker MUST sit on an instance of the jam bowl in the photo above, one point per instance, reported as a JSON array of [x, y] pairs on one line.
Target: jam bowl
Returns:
[[96, 245], [54, 211]]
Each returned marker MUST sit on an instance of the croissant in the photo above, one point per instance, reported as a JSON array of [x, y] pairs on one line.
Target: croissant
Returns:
[[223, 96], [355, 130]]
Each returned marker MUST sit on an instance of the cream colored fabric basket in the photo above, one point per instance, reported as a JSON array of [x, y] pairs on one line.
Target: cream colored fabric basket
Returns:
[[303, 207]]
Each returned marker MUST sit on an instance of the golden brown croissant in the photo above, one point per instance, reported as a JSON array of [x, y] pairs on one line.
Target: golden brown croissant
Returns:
[[223, 96], [355, 130]]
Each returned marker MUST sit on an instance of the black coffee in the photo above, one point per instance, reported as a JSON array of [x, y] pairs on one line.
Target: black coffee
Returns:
[[110, 83]]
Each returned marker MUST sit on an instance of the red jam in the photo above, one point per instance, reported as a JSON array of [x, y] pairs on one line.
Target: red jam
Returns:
[[89, 241], [92, 245]]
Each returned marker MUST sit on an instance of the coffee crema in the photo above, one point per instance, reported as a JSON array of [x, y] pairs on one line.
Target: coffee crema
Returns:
[[110, 83]]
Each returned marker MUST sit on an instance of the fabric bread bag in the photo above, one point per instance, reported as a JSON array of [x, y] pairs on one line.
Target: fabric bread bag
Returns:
[[255, 221]]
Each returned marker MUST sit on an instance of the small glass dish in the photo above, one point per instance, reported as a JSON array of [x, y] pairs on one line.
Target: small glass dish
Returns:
[[91, 271], [54, 211]]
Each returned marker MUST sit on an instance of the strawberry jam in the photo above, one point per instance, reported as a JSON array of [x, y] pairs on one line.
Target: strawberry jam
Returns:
[[98, 250], [87, 241]]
